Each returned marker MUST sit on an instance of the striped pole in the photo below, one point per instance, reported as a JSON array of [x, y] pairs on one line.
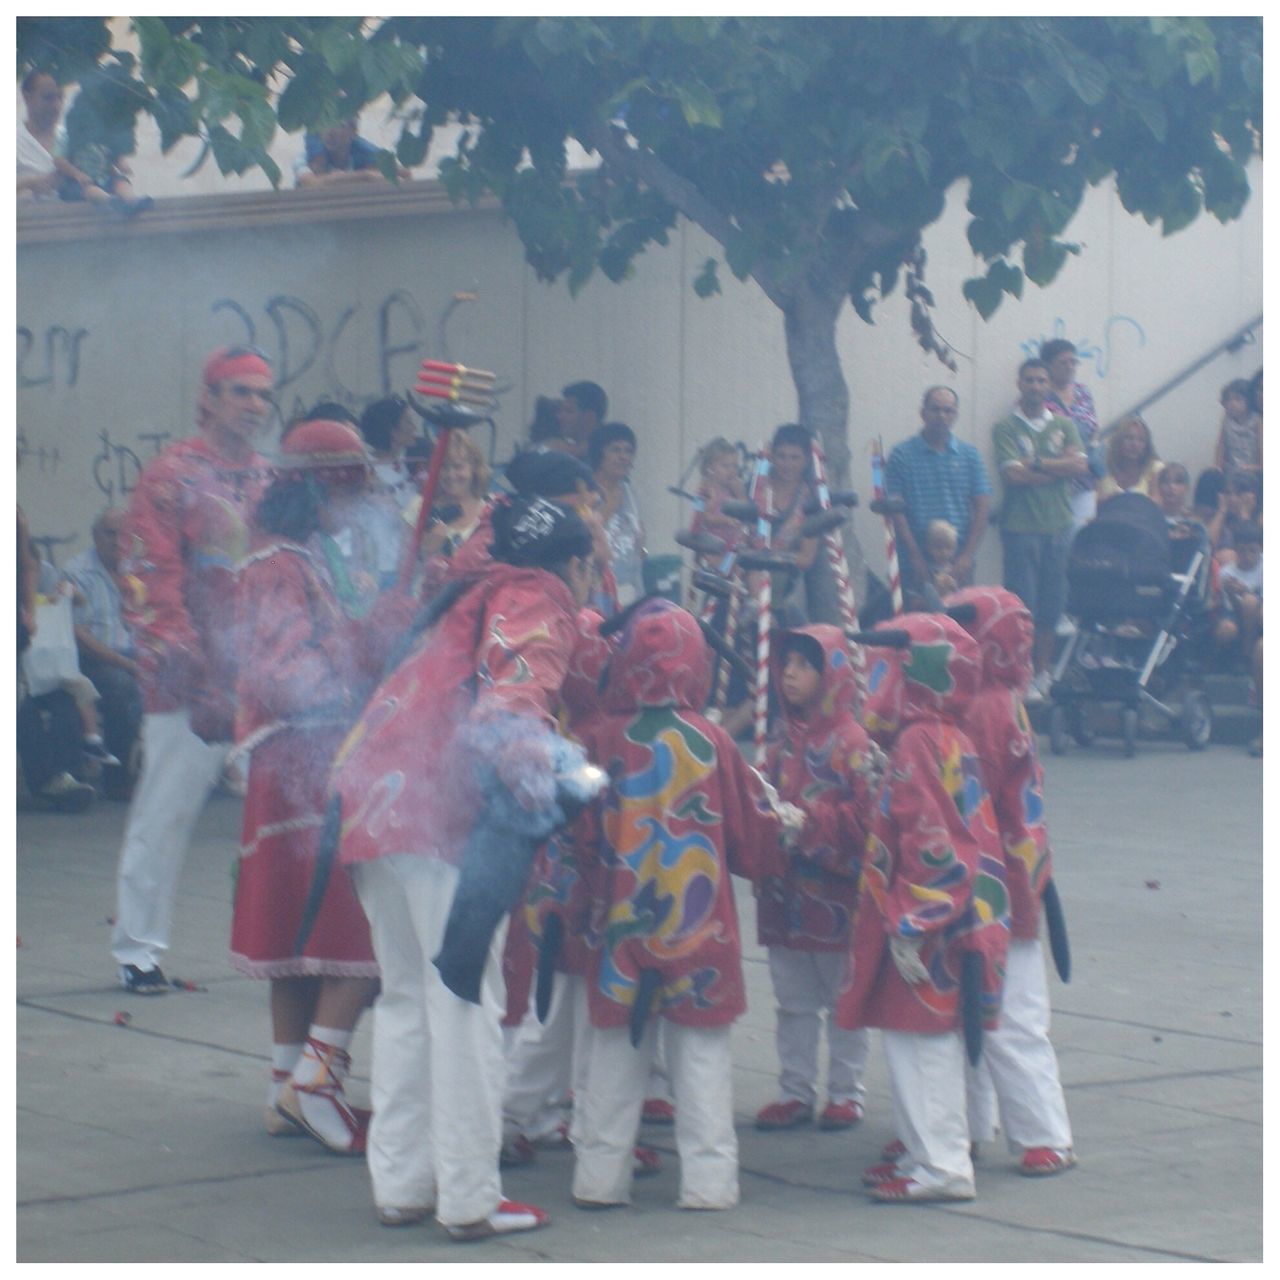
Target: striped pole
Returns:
[[764, 604], [833, 543], [890, 535]]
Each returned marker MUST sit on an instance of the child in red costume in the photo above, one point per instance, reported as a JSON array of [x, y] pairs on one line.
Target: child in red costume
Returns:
[[823, 765], [682, 813], [1018, 1054], [932, 890]]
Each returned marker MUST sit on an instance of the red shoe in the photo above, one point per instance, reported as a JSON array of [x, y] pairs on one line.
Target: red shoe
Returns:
[[879, 1174], [1043, 1162], [784, 1115], [321, 1109], [647, 1163], [909, 1191], [516, 1153], [657, 1111], [840, 1115], [894, 1150], [557, 1141], [509, 1216]]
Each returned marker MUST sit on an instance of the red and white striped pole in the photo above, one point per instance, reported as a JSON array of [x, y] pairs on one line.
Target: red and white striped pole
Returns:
[[761, 489], [890, 535], [833, 543]]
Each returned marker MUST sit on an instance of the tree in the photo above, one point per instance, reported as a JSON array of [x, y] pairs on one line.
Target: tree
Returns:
[[814, 151]]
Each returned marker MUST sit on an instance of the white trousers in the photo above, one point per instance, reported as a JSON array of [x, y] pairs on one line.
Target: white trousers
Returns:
[[806, 984], [1020, 1057], [438, 1072], [700, 1064], [980, 1099], [547, 1062], [179, 769], [926, 1075]]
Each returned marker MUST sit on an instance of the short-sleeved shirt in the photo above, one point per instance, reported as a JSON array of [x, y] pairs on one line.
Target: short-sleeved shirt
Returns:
[[102, 613], [937, 484], [363, 155], [1034, 508]]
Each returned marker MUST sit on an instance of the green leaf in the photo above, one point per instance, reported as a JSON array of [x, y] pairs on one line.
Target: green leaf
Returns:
[[1087, 77], [984, 294], [1014, 199], [153, 41], [1181, 207], [339, 49], [1006, 277], [740, 253], [1042, 258], [707, 281], [311, 88], [1201, 64], [698, 105]]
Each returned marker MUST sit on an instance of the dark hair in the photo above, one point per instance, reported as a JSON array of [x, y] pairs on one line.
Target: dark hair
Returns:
[[290, 507], [1249, 531], [1209, 487], [793, 433], [1246, 482], [1034, 363], [549, 474], [602, 437], [1238, 387], [1255, 392], [806, 646], [379, 420], [1051, 350], [536, 533], [327, 411], [29, 80], [546, 422], [589, 397]]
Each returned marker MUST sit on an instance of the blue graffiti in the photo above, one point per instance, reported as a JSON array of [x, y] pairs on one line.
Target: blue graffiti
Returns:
[[1088, 351]]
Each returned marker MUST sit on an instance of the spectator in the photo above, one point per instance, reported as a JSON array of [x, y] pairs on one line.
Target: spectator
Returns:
[[42, 144], [582, 409], [460, 510], [784, 493], [107, 654], [1241, 504], [611, 453], [544, 430], [1074, 400], [1239, 625], [389, 426], [1132, 465], [1171, 491], [1239, 447], [939, 478], [1038, 453], [97, 143], [338, 156]]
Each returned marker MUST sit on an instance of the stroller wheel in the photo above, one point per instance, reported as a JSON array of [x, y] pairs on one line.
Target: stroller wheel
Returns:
[[1129, 731], [1197, 720], [1058, 729], [1078, 723]]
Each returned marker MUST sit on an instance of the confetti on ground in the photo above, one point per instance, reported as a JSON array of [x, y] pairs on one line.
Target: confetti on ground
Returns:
[[122, 1019], [181, 984], [1153, 884]]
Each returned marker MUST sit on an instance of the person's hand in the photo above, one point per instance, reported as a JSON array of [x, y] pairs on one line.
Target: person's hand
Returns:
[[963, 566], [906, 958], [792, 818], [919, 568]]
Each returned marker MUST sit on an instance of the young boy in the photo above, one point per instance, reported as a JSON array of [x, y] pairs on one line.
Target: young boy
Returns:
[[931, 898], [1018, 1054], [681, 814], [823, 764], [1241, 586]]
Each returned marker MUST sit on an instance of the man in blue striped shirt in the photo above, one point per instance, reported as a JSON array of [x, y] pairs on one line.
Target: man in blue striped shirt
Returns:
[[939, 478]]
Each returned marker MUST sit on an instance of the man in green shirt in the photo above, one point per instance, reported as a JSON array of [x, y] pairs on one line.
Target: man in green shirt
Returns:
[[1038, 454]]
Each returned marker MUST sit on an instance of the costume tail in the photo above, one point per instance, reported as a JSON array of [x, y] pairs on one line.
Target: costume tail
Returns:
[[971, 1004], [326, 854], [1059, 945], [649, 986], [548, 954]]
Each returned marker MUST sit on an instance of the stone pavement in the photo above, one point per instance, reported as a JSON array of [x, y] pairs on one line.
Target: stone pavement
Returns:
[[144, 1143]]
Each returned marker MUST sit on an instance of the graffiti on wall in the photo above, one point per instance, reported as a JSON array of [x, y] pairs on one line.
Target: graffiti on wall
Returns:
[[115, 467], [1121, 333], [45, 457], [55, 362]]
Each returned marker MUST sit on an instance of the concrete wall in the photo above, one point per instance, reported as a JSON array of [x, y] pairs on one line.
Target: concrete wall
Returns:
[[114, 323]]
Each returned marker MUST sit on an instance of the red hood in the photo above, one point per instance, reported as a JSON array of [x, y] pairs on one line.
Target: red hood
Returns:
[[580, 692], [838, 692], [1004, 633], [933, 679], [661, 661]]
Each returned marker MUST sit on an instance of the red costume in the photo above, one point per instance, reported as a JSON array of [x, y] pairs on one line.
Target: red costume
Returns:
[[933, 872], [821, 761], [682, 813]]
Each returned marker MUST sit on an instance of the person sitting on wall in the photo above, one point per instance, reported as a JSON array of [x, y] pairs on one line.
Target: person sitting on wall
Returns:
[[339, 156]]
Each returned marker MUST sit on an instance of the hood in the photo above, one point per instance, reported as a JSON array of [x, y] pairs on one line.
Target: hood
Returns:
[[1004, 632], [580, 692], [933, 679], [838, 692], [661, 660]]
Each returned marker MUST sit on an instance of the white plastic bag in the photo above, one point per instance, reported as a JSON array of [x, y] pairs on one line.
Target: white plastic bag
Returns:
[[52, 656]]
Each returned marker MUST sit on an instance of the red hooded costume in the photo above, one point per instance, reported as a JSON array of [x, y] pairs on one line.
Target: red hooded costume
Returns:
[[932, 871], [997, 723], [683, 811], [823, 762]]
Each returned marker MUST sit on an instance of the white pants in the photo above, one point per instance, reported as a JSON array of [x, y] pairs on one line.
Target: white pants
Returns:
[[700, 1063], [1021, 1060], [1084, 506], [926, 1074], [806, 984], [980, 1099], [546, 1063], [179, 770], [437, 1060]]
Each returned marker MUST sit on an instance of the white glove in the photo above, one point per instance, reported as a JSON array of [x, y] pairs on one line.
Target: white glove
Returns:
[[906, 956], [792, 818], [770, 791]]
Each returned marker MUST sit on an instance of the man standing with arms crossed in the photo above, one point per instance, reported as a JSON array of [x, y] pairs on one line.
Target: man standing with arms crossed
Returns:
[[187, 529]]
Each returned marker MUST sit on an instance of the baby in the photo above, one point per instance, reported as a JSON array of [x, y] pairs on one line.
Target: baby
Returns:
[[940, 544], [721, 482]]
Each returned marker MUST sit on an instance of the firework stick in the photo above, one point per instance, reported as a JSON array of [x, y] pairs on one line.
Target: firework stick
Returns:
[[424, 512], [890, 533], [454, 384], [441, 366], [465, 397]]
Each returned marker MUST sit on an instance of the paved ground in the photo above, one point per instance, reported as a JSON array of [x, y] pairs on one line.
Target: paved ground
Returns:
[[143, 1144]]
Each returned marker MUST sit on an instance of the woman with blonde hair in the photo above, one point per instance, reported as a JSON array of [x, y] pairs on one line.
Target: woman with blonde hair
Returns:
[[1132, 464]]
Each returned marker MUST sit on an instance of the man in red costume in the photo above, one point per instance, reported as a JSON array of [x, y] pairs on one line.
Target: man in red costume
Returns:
[[931, 900], [187, 529]]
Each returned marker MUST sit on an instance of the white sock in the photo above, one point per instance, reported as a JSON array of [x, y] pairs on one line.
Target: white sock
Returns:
[[284, 1057], [327, 1115], [309, 1068]]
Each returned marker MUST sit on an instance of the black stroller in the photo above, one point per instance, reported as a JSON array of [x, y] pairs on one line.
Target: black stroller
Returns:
[[1136, 590]]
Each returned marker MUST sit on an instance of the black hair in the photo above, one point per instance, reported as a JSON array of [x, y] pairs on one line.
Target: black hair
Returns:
[[535, 533], [1209, 486], [1036, 362], [589, 397], [793, 433], [1255, 392], [379, 420], [550, 474], [1051, 350], [29, 80], [327, 411], [806, 646], [1247, 482], [546, 422], [602, 437], [290, 507], [1241, 387], [1249, 531]]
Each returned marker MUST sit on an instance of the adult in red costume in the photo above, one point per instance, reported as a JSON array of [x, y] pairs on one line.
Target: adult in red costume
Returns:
[[822, 763], [932, 891], [682, 813], [1018, 1053], [187, 529], [407, 777], [306, 669]]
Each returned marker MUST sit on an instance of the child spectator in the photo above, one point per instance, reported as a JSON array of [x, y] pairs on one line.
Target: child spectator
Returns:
[[721, 482], [1240, 622], [940, 543], [683, 812], [1241, 504], [1239, 448], [1171, 492], [823, 765]]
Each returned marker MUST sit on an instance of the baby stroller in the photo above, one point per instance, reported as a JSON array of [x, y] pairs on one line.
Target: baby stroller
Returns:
[[1137, 594]]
